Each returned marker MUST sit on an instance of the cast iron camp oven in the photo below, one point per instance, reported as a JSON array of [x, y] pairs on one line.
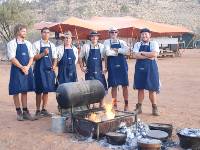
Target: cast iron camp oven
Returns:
[[77, 94]]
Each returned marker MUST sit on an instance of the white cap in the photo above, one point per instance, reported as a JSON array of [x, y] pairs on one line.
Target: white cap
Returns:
[[113, 29]]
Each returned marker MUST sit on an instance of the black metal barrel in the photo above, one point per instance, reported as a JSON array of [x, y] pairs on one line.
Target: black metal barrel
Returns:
[[80, 93]]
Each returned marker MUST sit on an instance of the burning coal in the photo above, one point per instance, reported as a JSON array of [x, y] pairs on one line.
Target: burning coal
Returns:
[[108, 114]]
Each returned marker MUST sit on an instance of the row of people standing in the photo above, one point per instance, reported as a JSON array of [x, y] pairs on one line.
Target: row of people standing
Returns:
[[47, 57]]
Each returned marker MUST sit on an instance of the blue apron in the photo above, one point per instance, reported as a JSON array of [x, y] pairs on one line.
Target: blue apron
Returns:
[[67, 67], [117, 69], [94, 67], [146, 73], [43, 73], [19, 82]]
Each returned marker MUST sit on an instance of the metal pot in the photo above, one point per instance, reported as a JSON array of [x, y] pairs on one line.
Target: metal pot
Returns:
[[58, 124], [163, 127], [115, 138], [188, 142], [158, 134]]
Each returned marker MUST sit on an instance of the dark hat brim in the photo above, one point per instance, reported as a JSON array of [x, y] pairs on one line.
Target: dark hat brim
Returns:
[[145, 30]]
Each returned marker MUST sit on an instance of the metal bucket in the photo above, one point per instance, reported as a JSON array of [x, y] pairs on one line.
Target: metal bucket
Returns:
[[58, 124]]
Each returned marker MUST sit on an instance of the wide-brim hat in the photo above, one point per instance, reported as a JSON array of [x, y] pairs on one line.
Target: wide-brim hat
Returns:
[[112, 29], [94, 33], [145, 30]]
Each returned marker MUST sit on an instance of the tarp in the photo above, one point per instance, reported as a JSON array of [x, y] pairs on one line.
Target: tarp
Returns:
[[129, 27]]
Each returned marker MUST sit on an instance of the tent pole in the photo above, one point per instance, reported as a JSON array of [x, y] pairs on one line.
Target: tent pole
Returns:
[[61, 30], [77, 39]]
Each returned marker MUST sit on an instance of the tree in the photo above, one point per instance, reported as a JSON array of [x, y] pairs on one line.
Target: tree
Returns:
[[11, 13]]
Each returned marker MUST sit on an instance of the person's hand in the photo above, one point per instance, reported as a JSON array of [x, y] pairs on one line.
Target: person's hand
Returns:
[[115, 49], [105, 71], [25, 69], [54, 68], [46, 51], [83, 69]]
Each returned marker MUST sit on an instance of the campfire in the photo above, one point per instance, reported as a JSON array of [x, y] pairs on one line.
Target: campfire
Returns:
[[108, 114]]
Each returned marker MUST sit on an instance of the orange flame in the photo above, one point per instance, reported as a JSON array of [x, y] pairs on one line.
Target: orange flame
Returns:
[[102, 116]]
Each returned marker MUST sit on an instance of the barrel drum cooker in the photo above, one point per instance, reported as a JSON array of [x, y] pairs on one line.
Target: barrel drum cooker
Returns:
[[77, 94]]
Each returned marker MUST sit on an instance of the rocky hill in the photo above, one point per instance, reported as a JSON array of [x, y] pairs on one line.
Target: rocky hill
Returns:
[[178, 12]]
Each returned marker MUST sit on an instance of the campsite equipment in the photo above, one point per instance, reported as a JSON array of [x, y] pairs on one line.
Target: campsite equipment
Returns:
[[115, 138], [91, 122], [149, 144], [189, 138], [58, 124], [157, 134], [163, 127]]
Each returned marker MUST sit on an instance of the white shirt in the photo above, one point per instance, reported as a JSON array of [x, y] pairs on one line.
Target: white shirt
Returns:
[[60, 52], [85, 50], [12, 47], [109, 52], [153, 46], [36, 47]]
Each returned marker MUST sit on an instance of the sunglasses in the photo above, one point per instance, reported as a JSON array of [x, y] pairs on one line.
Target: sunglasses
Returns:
[[45, 32], [113, 32]]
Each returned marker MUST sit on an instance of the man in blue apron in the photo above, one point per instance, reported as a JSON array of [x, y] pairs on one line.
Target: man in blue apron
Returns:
[[67, 59], [117, 66], [146, 70], [93, 53], [21, 76], [45, 63]]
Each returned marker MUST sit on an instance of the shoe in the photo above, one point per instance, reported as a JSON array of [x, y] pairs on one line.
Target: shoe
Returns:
[[45, 113], [20, 116], [139, 108], [27, 116], [37, 114], [155, 110]]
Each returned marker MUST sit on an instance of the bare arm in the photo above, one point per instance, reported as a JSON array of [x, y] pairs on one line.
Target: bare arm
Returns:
[[81, 65], [105, 64], [15, 62], [139, 56], [152, 54], [54, 64], [38, 56]]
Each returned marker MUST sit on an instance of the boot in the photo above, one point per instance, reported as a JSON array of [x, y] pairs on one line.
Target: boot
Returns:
[[155, 110], [125, 105], [139, 108]]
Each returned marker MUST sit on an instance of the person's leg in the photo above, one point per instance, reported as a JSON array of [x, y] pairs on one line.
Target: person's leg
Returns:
[[38, 100], [24, 100], [114, 97], [44, 100], [125, 95], [152, 97], [140, 96], [26, 114], [16, 101], [44, 111], [17, 106], [140, 101], [38, 103]]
